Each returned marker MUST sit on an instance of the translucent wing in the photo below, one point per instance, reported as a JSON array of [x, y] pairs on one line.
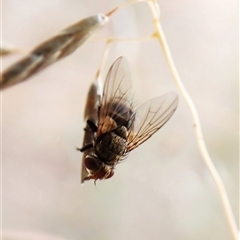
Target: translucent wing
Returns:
[[116, 99], [150, 117]]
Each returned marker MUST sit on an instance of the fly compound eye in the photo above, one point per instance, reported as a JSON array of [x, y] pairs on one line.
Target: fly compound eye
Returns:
[[92, 162]]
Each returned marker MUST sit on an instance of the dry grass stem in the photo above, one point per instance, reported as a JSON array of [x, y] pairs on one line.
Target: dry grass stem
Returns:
[[116, 39], [104, 58], [52, 50], [91, 109], [125, 4], [196, 122]]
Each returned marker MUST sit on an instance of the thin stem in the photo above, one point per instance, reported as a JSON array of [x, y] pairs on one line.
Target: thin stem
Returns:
[[104, 57], [117, 39], [124, 5], [197, 126]]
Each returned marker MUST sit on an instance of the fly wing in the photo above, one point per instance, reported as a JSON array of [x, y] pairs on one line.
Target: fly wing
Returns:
[[150, 117], [90, 114], [116, 98]]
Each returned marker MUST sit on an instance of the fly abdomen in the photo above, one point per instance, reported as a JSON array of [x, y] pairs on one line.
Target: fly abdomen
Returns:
[[120, 112]]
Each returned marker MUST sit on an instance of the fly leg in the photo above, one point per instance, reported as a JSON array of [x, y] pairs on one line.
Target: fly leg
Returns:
[[90, 145], [91, 126]]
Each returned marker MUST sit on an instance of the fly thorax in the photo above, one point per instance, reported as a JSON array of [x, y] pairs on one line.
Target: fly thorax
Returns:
[[111, 147]]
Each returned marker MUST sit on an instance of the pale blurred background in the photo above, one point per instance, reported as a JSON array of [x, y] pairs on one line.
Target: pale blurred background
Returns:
[[163, 190]]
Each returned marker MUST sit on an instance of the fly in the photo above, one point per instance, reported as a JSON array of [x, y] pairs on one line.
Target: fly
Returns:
[[114, 128]]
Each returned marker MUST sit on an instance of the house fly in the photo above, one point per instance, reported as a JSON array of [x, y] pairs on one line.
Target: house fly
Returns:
[[114, 127]]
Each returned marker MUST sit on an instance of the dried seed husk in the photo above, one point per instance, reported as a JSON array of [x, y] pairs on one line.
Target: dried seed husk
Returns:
[[90, 113], [52, 50], [7, 49]]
